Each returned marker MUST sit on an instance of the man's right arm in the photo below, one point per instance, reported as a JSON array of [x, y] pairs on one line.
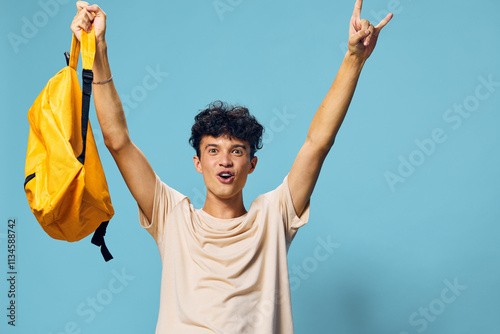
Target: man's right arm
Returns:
[[133, 165]]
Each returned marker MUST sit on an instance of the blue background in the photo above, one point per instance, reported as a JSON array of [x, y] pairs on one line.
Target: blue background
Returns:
[[400, 239]]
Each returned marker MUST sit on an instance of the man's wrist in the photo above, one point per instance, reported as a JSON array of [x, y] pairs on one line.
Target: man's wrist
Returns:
[[100, 40], [354, 60], [101, 68], [101, 47], [101, 53]]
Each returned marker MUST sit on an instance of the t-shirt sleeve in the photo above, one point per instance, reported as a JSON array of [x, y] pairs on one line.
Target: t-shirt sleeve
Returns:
[[165, 199], [282, 197]]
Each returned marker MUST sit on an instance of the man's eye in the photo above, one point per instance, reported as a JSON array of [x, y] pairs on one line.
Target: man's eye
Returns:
[[212, 150], [237, 151]]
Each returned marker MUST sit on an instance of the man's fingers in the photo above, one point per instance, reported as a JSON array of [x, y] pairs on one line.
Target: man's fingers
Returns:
[[81, 4], [383, 22], [364, 24], [93, 8], [92, 11], [86, 23], [358, 37], [83, 20], [357, 9], [96, 10], [371, 28]]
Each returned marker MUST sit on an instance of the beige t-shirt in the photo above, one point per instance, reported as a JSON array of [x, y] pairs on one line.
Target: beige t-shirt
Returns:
[[225, 276]]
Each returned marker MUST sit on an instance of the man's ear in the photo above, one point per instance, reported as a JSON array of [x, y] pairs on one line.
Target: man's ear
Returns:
[[197, 164], [253, 164]]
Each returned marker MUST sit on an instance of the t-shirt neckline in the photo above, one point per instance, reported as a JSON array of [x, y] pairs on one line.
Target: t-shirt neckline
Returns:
[[206, 214]]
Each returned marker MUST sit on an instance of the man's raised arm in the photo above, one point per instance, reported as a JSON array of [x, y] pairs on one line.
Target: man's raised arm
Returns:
[[327, 120], [135, 169]]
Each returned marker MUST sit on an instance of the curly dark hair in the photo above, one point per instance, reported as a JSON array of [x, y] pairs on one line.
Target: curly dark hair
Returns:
[[220, 118]]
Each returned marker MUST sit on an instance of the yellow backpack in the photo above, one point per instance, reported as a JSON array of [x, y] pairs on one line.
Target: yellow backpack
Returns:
[[65, 183]]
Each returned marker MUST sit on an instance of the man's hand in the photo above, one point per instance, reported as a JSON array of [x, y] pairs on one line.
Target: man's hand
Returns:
[[86, 16], [362, 34], [327, 120]]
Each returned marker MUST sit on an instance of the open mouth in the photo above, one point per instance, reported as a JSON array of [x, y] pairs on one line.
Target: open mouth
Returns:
[[225, 177]]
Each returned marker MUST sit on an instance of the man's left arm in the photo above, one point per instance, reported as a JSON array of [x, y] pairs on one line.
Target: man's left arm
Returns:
[[330, 114]]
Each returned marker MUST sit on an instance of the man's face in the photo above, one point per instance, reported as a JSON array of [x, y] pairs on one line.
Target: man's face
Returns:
[[225, 164]]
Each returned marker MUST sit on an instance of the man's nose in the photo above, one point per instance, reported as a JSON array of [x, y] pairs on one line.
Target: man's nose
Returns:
[[225, 160]]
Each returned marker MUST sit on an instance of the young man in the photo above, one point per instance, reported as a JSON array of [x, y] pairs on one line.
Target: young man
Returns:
[[225, 268]]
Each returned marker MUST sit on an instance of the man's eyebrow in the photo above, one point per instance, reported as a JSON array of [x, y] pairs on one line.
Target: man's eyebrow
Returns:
[[211, 145], [232, 146]]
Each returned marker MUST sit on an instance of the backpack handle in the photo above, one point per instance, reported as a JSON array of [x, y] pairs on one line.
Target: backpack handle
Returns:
[[87, 48]]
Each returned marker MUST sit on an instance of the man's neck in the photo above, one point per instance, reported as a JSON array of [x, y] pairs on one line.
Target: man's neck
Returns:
[[224, 208]]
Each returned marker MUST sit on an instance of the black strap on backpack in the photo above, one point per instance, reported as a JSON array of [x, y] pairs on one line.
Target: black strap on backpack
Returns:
[[87, 78], [98, 240]]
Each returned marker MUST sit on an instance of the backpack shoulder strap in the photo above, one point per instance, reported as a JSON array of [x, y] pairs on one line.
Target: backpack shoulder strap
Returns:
[[88, 54]]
